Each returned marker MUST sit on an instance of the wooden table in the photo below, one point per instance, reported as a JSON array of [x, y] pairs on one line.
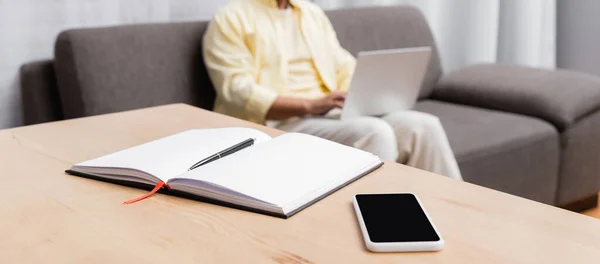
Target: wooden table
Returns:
[[50, 217]]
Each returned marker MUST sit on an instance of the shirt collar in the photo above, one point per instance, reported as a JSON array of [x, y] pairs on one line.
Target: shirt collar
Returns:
[[272, 3]]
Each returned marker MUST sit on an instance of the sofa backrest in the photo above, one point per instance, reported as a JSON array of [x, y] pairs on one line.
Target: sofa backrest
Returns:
[[112, 69]]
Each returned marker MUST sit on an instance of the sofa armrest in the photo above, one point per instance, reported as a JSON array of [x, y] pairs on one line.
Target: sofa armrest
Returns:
[[39, 93], [560, 97]]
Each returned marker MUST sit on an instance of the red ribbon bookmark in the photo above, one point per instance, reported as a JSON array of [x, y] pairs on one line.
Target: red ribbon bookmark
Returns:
[[159, 185]]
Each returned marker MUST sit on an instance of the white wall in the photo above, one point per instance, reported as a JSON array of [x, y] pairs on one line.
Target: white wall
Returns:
[[28, 29], [579, 35]]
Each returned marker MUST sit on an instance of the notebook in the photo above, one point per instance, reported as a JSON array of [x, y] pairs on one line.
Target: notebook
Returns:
[[276, 176]]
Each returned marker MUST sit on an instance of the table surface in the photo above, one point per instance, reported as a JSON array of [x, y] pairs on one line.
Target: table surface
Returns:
[[50, 217]]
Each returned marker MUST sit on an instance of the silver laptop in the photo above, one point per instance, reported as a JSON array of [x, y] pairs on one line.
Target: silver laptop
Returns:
[[386, 81]]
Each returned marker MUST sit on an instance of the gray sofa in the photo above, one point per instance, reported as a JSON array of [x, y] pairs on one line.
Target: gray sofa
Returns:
[[529, 132]]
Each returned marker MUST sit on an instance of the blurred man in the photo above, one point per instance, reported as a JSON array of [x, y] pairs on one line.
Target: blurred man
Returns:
[[279, 62]]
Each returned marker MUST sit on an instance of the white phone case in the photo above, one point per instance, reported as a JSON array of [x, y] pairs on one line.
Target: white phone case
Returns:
[[398, 246]]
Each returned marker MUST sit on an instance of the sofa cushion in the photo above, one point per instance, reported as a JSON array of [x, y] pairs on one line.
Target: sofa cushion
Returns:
[[112, 69], [375, 28], [503, 151]]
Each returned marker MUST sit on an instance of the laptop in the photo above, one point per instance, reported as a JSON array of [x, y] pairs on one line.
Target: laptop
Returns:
[[386, 81]]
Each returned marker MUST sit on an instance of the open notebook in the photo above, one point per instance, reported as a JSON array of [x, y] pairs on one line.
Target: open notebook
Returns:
[[276, 176]]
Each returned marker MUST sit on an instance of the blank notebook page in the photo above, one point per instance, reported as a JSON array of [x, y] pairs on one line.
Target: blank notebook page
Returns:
[[286, 168], [171, 156]]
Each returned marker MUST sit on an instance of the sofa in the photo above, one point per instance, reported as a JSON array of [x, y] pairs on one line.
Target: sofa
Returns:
[[528, 132]]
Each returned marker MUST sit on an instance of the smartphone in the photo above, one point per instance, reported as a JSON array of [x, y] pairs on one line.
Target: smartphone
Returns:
[[396, 222]]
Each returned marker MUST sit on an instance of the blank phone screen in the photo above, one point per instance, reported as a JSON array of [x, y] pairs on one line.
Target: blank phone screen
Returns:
[[395, 218]]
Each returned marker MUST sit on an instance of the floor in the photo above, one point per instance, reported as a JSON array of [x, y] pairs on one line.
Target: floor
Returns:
[[594, 212]]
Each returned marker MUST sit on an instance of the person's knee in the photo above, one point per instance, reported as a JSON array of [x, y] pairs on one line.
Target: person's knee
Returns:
[[430, 122], [372, 126], [376, 136], [421, 124]]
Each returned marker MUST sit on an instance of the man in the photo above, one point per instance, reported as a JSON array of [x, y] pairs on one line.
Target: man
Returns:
[[279, 62]]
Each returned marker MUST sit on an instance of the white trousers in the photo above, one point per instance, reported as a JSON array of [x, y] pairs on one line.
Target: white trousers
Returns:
[[413, 138]]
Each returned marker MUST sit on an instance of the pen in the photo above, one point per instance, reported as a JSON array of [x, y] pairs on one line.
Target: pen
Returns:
[[221, 154]]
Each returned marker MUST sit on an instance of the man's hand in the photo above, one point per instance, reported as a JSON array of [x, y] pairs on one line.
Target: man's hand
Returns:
[[286, 107], [324, 104]]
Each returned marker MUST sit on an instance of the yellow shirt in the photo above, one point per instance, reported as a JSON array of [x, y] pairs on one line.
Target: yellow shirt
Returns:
[[250, 61], [302, 79]]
